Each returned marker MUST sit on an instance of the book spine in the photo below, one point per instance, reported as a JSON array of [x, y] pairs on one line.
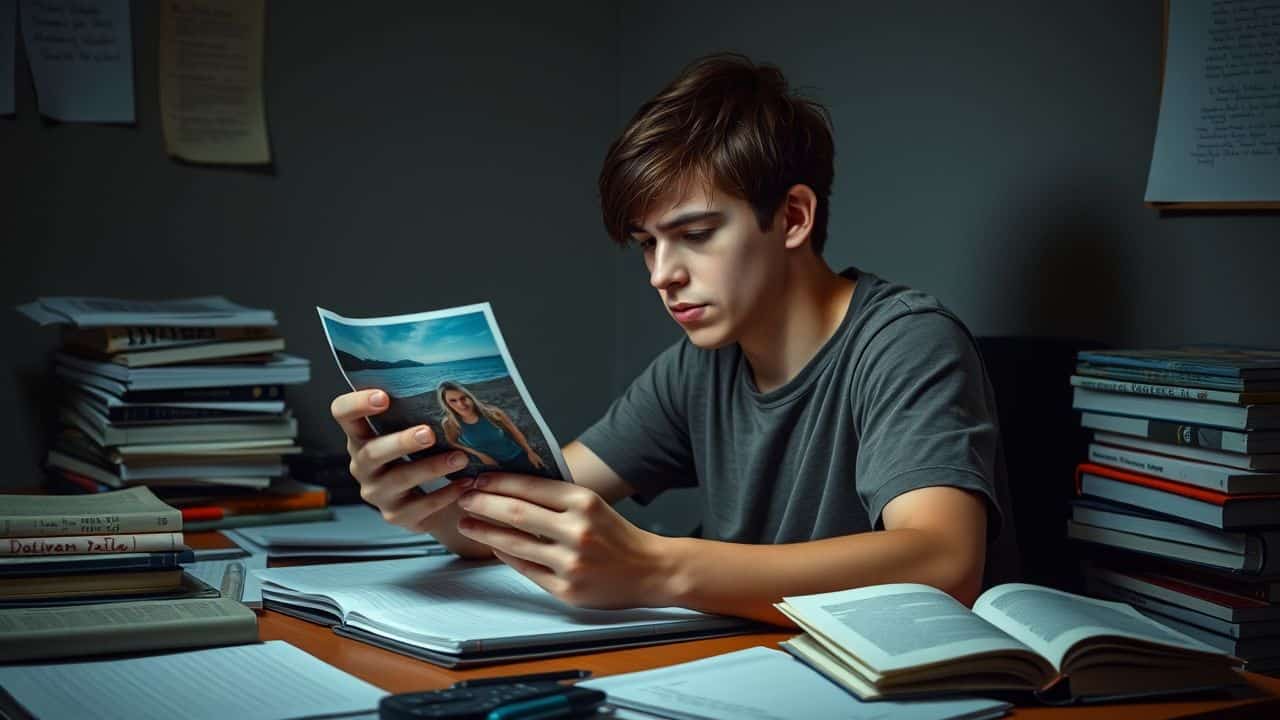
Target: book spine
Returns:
[[1184, 472], [154, 413], [32, 526], [269, 504], [278, 518], [133, 338], [1195, 436], [1166, 377], [1164, 391], [91, 544], [242, 393]]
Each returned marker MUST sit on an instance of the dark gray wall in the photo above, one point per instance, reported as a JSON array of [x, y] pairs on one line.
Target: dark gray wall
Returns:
[[428, 155], [992, 154]]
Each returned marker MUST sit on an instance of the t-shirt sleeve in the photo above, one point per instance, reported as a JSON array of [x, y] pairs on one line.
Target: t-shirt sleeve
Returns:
[[924, 415], [644, 436]]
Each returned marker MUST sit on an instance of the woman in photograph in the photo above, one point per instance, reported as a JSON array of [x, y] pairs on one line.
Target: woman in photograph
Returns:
[[484, 431]]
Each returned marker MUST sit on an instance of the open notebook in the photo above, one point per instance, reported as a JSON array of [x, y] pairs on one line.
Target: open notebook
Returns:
[[456, 613]]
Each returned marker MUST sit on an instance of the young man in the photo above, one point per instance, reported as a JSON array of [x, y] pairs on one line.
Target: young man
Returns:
[[840, 429]]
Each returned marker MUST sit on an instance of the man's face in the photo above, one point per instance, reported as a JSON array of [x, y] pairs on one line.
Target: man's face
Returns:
[[713, 267]]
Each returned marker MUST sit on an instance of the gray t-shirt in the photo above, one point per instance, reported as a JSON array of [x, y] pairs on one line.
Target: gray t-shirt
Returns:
[[896, 399]]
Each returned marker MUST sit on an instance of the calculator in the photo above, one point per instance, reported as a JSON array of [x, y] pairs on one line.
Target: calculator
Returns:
[[462, 703]]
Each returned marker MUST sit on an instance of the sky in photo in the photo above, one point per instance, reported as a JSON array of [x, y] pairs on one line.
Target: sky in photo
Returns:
[[460, 337]]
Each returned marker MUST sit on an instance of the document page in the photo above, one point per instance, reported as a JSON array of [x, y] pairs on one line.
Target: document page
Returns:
[[901, 625], [447, 604], [1218, 136], [81, 57], [270, 681], [763, 684], [1051, 621]]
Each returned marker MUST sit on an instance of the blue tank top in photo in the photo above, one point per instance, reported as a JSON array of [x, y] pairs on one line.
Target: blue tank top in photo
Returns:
[[489, 439]]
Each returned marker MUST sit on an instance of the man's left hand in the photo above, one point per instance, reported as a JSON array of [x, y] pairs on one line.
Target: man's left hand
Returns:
[[567, 539]]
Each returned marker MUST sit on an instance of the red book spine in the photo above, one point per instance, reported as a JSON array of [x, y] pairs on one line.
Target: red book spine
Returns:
[[1169, 486]]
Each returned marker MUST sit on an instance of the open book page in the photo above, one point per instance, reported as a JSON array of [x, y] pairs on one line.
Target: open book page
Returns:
[[446, 604], [898, 626], [763, 684], [1051, 621], [268, 681]]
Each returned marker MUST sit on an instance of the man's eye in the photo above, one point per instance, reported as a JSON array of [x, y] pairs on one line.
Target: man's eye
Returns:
[[697, 235], [646, 244]]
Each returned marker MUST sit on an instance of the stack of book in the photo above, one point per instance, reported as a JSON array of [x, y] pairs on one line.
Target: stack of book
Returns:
[[101, 573], [74, 548], [1179, 500], [183, 396]]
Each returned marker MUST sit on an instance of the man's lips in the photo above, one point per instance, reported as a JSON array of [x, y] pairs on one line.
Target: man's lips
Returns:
[[687, 312]]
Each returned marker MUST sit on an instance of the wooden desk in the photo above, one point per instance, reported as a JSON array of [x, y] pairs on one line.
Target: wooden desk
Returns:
[[399, 673]]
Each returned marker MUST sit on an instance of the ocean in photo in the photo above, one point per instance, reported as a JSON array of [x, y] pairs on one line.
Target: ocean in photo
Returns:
[[410, 381]]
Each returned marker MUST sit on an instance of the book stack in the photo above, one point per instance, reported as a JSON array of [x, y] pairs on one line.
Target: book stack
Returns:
[[74, 548], [1179, 500], [183, 396], [101, 573]]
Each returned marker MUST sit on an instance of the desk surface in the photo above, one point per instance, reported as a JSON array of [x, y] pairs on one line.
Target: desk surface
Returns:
[[399, 673]]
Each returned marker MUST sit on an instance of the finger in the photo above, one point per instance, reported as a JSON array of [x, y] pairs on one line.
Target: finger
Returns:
[[351, 409], [383, 449], [553, 494], [412, 511], [386, 487], [513, 542], [514, 512], [539, 574]]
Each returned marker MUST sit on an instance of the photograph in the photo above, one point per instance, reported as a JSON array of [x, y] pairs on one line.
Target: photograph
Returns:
[[449, 369]]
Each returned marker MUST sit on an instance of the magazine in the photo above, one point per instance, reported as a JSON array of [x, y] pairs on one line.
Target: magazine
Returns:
[[451, 370]]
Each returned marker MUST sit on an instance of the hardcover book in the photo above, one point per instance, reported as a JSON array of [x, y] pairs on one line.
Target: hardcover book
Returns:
[[136, 510], [1217, 360], [909, 640]]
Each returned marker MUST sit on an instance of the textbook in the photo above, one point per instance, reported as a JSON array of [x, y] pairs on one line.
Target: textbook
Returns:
[[456, 613], [136, 510], [28, 565], [1232, 481], [1216, 360], [133, 337], [283, 369], [1194, 412], [1196, 504], [1243, 461], [909, 640], [1227, 397], [1176, 378], [1170, 537], [1189, 435], [104, 312], [56, 632]]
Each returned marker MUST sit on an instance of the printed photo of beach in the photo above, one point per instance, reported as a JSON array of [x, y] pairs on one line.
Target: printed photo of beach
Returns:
[[449, 369]]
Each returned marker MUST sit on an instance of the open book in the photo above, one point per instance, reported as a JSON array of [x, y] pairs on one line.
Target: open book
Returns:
[[899, 640], [457, 614]]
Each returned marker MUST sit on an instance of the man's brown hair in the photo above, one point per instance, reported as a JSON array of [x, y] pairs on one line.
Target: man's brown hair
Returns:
[[731, 123]]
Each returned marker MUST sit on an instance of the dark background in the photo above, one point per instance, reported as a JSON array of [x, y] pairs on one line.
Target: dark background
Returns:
[[429, 155]]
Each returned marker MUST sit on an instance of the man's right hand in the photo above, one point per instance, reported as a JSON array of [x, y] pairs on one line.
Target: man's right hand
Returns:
[[392, 487]]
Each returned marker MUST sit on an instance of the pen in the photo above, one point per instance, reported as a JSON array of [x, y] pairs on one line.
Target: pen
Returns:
[[536, 677], [570, 703]]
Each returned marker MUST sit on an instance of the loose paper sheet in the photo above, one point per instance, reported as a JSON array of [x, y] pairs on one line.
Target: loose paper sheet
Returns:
[[269, 681], [81, 55], [1218, 139], [210, 70], [8, 51]]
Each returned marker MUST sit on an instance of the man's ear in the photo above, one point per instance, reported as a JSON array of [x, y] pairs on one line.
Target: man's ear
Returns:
[[799, 208]]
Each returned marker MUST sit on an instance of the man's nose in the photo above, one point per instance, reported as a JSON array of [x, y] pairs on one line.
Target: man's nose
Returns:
[[668, 270]]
